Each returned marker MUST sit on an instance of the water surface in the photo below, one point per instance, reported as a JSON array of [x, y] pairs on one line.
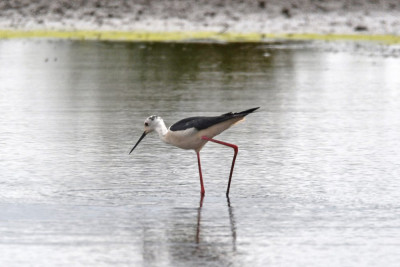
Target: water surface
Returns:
[[316, 179]]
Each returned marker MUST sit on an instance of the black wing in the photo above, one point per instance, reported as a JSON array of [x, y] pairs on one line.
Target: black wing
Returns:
[[201, 123]]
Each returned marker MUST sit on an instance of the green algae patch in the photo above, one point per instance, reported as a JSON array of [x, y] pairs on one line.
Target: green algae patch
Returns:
[[196, 36]]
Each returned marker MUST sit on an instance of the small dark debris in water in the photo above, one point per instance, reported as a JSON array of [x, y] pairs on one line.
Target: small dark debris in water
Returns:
[[210, 14], [46, 59], [58, 11], [261, 4], [361, 28], [321, 8], [286, 12]]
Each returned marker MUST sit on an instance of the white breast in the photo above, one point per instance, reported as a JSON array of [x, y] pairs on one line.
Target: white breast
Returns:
[[186, 139]]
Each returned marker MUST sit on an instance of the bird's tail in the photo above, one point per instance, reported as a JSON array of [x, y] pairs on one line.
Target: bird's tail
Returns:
[[246, 112]]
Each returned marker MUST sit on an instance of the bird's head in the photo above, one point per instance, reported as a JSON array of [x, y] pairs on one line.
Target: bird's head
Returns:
[[150, 124]]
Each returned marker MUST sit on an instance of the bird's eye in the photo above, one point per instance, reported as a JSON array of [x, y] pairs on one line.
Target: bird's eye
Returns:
[[146, 124]]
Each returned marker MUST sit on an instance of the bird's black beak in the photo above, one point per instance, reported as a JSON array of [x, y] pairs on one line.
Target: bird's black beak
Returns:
[[140, 139]]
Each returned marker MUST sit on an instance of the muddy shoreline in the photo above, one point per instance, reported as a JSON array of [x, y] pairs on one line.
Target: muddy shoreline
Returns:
[[272, 16]]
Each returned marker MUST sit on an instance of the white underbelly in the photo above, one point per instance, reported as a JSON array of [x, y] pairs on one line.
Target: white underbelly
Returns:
[[187, 139]]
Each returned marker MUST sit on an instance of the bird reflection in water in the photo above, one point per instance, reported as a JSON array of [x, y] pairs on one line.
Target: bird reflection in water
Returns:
[[199, 219], [231, 221]]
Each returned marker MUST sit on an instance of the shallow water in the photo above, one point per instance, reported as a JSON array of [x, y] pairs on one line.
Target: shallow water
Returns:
[[315, 183]]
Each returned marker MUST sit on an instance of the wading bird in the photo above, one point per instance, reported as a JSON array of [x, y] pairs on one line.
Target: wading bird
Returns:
[[194, 133]]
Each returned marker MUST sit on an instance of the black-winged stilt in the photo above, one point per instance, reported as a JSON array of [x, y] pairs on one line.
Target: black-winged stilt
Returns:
[[194, 133]]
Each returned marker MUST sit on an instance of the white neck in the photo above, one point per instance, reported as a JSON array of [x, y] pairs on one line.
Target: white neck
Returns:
[[162, 130]]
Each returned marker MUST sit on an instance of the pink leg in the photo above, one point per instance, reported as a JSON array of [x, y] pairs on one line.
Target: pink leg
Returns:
[[235, 148], [201, 176]]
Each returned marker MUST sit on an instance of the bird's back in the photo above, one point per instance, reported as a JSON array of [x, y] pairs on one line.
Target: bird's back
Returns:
[[201, 123]]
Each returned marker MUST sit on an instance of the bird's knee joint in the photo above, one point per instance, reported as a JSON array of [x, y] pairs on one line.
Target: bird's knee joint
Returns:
[[235, 148]]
